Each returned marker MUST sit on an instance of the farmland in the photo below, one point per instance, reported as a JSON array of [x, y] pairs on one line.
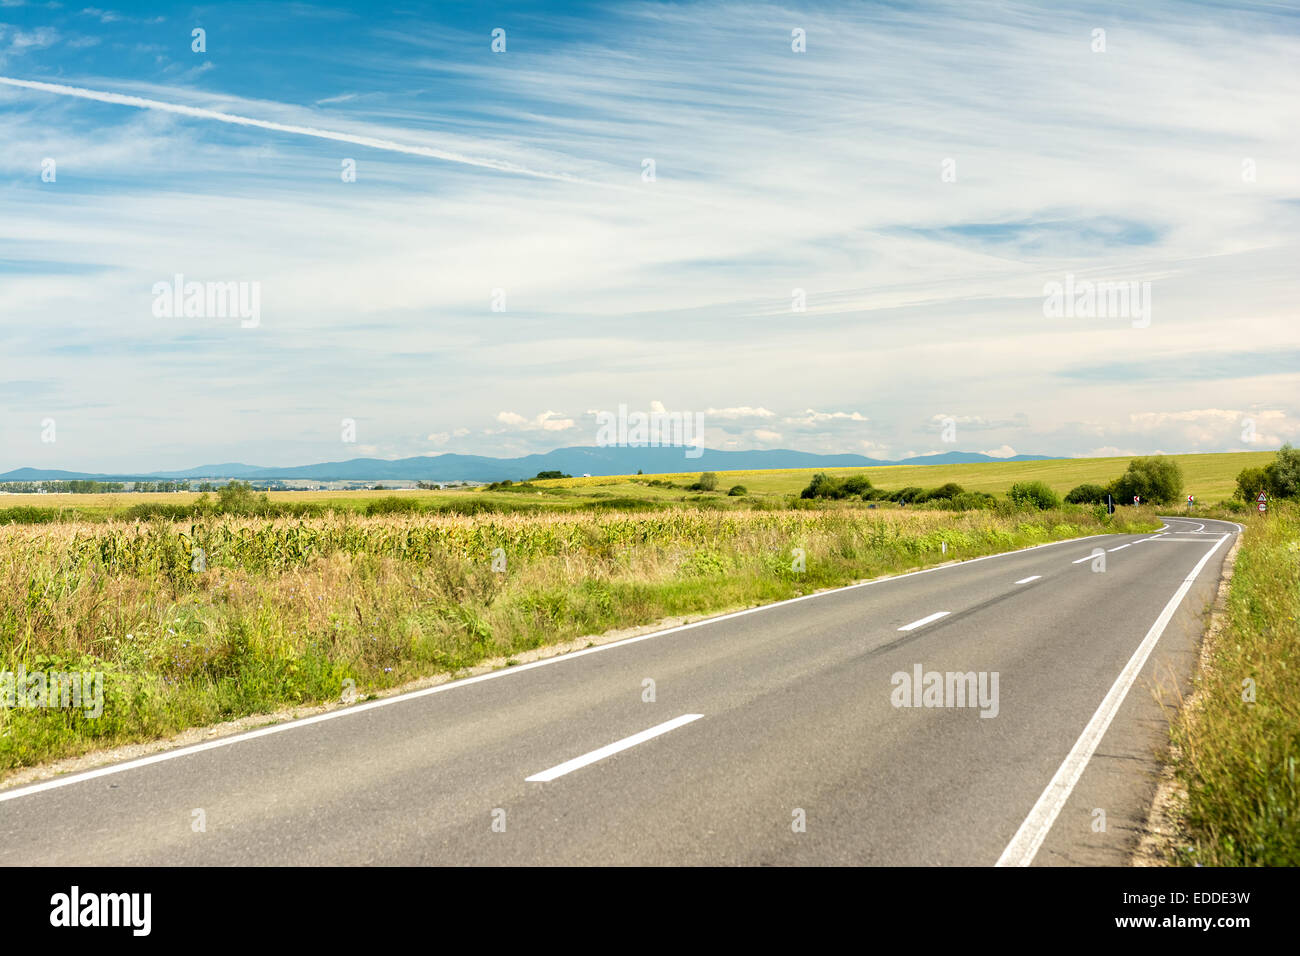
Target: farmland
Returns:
[[1210, 478]]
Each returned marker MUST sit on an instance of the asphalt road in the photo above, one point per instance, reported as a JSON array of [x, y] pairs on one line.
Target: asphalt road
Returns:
[[773, 738]]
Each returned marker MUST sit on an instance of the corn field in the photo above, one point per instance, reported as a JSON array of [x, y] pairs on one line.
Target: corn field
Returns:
[[195, 622]]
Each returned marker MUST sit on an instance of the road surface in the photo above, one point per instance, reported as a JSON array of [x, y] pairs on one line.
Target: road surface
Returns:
[[773, 737]]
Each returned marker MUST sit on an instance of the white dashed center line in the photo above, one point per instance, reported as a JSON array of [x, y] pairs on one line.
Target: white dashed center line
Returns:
[[925, 620], [609, 750]]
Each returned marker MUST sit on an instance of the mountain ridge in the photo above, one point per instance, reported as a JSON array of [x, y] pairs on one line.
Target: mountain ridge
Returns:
[[577, 460]]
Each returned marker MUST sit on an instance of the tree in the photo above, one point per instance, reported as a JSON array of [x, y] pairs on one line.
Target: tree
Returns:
[[1280, 478], [1287, 472], [1251, 481], [1156, 479]]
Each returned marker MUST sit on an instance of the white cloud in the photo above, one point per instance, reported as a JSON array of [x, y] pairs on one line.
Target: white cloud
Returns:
[[546, 421], [740, 411], [104, 16], [764, 435], [811, 417], [38, 39], [977, 422], [1005, 451], [1194, 428], [441, 438]]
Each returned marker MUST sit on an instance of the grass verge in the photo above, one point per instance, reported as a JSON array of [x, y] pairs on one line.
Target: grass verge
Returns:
[[1238, 740]]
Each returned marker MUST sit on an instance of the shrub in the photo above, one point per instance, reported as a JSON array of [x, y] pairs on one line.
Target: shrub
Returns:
[[826, 486], [737, 491], [237, 497], [708, 481], [627, 504], [970, 501], [1035, 494], [822, 486], [152, 509], [25, 514], [856, 485], [942, 493], [392, 505], [1087, 495]]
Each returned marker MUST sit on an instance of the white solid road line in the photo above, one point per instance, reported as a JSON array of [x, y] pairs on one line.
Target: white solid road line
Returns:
[[1032, 577], [73, 778], [578, 763], [1120, 548], [1024, 845], [925, 620]]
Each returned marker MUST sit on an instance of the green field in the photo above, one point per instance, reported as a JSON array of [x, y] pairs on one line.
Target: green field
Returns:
[[1210, 477]]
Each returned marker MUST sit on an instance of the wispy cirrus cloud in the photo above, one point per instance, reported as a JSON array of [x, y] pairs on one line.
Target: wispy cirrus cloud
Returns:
[[194, 112]]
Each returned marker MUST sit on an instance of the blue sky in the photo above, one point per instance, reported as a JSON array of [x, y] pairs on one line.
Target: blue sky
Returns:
[[1171, 157]]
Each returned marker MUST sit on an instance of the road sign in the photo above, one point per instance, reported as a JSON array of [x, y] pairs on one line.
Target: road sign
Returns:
[[1189, 500], [1136, 499], [1263, 502]]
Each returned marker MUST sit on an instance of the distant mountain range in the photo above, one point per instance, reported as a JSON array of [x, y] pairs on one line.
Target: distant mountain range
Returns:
[[573, 461]]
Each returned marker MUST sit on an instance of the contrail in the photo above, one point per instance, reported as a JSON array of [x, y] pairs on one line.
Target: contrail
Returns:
[[368, 141]]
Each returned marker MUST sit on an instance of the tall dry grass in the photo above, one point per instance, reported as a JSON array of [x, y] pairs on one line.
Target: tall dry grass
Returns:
[[196, 622]]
